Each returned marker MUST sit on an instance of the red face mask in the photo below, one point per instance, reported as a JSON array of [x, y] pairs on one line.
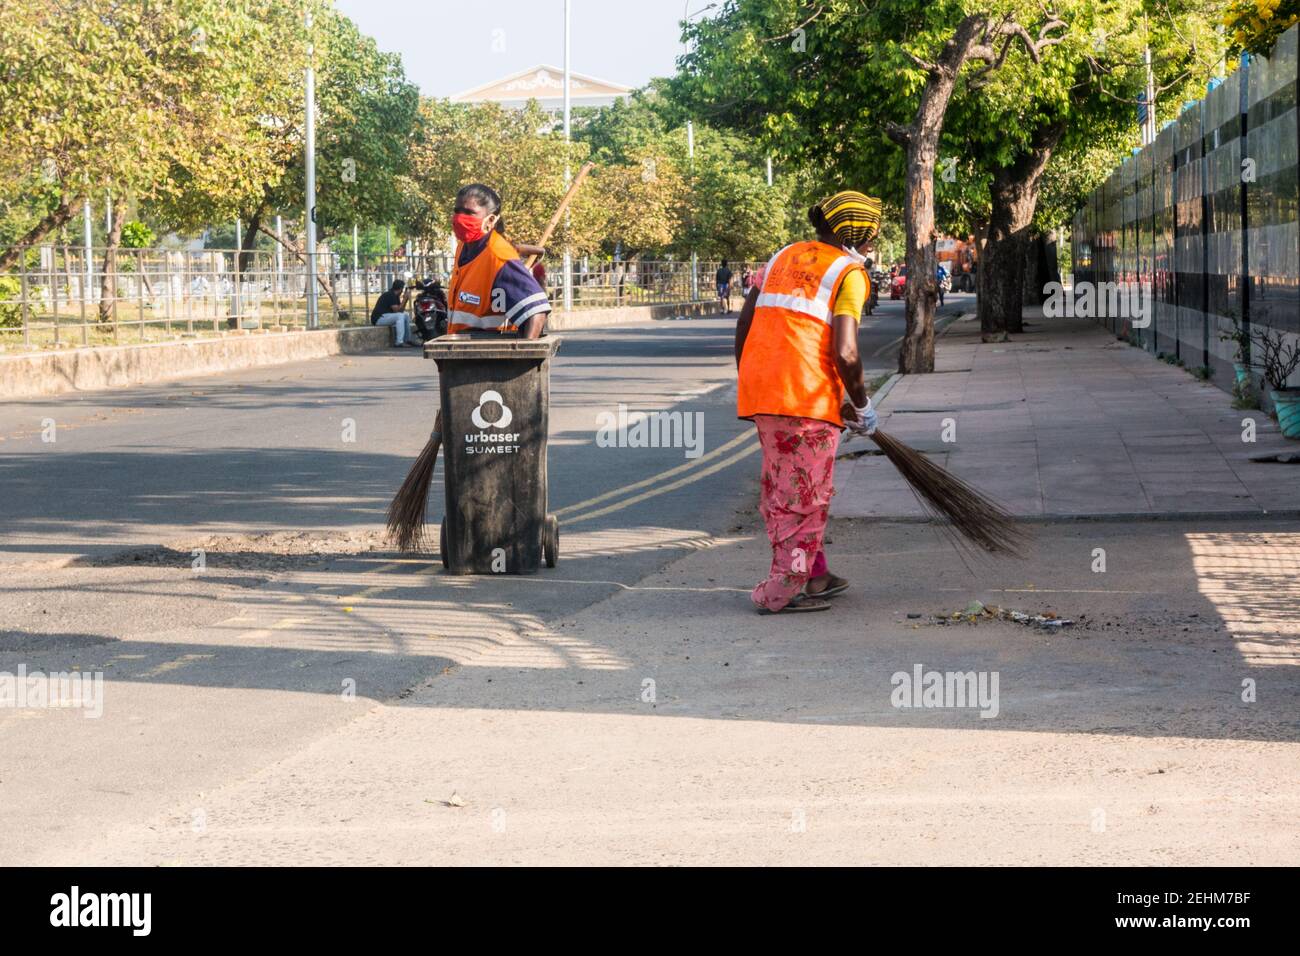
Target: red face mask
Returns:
[[467, 227]]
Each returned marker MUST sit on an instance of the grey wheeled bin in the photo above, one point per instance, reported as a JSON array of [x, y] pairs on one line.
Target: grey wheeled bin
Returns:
[[495, 394]]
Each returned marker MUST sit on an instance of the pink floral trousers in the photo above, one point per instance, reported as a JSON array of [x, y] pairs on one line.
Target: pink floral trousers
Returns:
[[798, 468]]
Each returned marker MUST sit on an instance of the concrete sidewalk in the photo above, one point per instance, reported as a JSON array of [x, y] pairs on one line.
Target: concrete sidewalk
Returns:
[[1065, 421]]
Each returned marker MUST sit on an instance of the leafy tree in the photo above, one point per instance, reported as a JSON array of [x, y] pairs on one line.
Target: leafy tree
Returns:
[[1083, 97], [725, 210], [366, 115], [230, 171], [1254, 25], [104, 95], [832, 84], [645, 196], [460, 143], [638, 207], [136, 235]]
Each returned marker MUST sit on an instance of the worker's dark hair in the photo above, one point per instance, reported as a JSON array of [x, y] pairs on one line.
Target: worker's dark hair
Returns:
[[501, 225], [398, 284], [484, 195], [818, 220]]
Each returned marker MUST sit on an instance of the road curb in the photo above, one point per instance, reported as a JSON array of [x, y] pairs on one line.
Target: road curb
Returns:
[[54, 372], [883, 391]]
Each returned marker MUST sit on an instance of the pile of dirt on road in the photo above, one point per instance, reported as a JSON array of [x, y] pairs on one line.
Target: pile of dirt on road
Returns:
[[979, 611], [271, 551], [1160, 623]]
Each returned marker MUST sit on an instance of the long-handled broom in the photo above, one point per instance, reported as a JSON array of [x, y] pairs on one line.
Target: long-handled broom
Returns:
[[406, 512], [975, 517]]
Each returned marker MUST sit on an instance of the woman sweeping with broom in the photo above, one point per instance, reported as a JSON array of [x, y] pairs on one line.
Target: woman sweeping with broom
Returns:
[[801, 383]]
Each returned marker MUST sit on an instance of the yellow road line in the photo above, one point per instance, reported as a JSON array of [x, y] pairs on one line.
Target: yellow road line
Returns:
[[367, 592], [280, 625], [167, 667], [695, 463], [672, 486]]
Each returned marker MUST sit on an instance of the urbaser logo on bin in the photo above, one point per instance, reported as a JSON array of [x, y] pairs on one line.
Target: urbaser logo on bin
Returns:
[[497, 441]]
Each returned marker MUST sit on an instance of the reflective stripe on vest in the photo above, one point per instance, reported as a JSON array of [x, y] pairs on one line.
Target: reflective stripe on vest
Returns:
[[457, 317], [819, 307], [513, 317], [788, 363]]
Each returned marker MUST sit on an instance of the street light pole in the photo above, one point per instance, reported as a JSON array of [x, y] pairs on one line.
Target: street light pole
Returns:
[[695, 263], [238, 297], [1149, 126], [690, 148], [568, 173], [310, 128], [88, 235]]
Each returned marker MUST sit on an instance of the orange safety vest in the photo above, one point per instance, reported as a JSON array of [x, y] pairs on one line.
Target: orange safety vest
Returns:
[[469, 301], [788, 365]]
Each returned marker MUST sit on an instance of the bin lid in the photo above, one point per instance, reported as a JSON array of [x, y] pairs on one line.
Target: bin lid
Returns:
[[493, 345]]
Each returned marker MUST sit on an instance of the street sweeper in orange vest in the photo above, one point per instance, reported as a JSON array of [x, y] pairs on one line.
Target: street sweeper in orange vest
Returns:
[[491, 289], [801, 383]]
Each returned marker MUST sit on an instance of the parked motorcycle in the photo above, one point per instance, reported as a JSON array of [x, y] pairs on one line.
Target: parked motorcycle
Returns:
[[431, 310]]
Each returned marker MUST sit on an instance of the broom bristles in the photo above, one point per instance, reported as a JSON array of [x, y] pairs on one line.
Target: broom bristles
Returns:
[[941, 493], [407, 510]]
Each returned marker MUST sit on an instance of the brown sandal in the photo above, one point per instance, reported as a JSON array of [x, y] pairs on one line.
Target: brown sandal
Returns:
[[836, 585], [800, 602]]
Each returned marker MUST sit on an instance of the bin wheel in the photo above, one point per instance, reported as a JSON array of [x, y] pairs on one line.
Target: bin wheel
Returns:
[[551, 540], [442, 545]]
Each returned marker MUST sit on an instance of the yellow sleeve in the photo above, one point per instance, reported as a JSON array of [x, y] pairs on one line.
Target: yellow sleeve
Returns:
[[852, 295]]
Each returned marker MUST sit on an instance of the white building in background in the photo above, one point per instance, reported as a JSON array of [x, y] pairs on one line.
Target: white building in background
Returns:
[[546, 85]]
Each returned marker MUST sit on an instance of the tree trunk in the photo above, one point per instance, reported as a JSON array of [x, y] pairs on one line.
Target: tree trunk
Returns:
[[108, 282], [245, 258], [1032, 274], [56, 219], [1001, 286], [921, 138], [981, 232], [1051, 263], [1014, 195]]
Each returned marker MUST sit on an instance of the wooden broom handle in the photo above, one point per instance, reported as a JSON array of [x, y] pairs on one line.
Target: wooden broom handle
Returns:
[[564, 204]]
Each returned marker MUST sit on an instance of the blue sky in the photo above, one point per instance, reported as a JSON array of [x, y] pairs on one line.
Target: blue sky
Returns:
[[451, 46]]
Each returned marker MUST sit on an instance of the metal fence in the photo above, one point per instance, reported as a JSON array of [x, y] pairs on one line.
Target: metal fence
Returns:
[[1205, 220], [60, 296]]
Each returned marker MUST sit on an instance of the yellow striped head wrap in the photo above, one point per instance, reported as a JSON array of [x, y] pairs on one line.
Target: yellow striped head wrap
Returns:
[[853, 216]]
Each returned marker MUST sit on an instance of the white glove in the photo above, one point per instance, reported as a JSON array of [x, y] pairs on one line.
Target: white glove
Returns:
[[866, 420]]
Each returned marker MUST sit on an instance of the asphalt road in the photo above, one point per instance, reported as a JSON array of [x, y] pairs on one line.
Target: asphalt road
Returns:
[[322, 445], [280, 477]]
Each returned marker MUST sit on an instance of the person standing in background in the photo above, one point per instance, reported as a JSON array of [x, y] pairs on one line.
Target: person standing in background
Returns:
[[723, 280]]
